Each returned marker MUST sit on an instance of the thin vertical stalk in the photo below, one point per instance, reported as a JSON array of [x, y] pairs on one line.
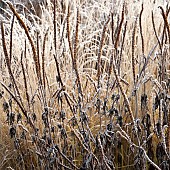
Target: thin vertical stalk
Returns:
[[37, 64], [133, 51], [43, 59], [100, 52], [43, 68], [11, 38], [133, 67], [121, 50], [112, 27], [99, 65], [165, 18], [62, 84], [75, 54], [68, 34], [144, 58], [38, 50], [25, 81], [111, 58], [55, 29], [126, 101], [153, 24], [8, 63], [120, 27], [141, 33]]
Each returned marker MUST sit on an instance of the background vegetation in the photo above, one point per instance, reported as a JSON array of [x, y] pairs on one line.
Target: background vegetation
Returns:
[[85, 85]]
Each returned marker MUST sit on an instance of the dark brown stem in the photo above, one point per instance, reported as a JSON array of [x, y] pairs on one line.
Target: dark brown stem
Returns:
[[133, 51], [43, 59], [8, 62], [68, 34], [120, 27], [75, 55], [37, 64], [25, 81], [165, 17], [11, 38], [153, 23], [54, 22], [141, 34]]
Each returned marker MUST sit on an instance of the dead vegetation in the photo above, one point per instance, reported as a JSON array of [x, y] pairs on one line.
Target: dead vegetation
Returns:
[[85, 85]]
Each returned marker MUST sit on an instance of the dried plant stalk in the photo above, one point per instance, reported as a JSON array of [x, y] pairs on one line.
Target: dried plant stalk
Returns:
[[20, 106], [25, 81], [75, 54], [35, 57], [4, 46], [43, 54], [11, 38], [84, 147], [8, 62], [153, 24], [55, 29], [38, 50], [123, 94], [16, 100], [133, 51], [100, 51], [111, 58], [143, 47], [141, 34], [164, 29], [58, 71], [68, 34], [62, 84], [99, 67], [120, 27], [103, 155], [165, 17], [66, 158], [112, 27], [76, 36], [168, 135], [120, 58]]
